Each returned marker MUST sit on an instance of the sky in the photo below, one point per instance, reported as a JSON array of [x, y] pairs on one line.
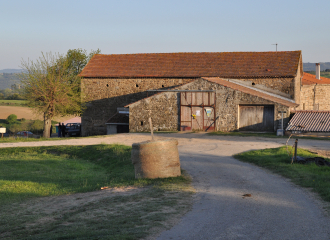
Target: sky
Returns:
[[28, 28]]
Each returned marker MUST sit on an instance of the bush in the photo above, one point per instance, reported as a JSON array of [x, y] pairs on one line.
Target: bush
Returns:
[[11, 119], [36, 125], [15, 128]]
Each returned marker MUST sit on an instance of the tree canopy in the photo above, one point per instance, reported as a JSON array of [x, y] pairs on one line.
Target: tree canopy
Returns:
[[52, 86]]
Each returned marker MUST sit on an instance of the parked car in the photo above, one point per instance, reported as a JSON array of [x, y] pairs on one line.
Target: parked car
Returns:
[[74, 130], [24, 134], [68, 126]]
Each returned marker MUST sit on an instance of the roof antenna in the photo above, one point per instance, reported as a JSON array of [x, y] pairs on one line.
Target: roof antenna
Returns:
[[276, 46]]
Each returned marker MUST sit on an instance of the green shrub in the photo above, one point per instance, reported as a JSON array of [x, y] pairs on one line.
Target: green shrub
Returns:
[[37, 125], [11, 119], [15, 128]]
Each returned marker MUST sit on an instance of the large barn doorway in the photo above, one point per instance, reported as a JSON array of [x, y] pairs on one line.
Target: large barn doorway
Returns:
[[256, 118], [197, 111]]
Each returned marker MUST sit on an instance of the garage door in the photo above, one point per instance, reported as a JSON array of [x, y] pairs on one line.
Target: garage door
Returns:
[[256, 118]]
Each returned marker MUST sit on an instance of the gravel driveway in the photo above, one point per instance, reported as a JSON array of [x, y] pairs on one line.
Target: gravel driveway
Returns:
[[277, 209]]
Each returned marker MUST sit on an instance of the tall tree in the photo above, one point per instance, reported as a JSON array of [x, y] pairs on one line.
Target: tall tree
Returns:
[[51, 87], [78, 58]]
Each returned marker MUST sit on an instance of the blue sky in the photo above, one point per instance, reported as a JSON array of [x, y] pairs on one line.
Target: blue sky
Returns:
[[28, 28]]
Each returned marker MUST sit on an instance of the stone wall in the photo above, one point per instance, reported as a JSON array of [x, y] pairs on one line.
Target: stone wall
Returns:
[[285, 85], [228, 101], [103, 96], [315, 97], [164, 108]]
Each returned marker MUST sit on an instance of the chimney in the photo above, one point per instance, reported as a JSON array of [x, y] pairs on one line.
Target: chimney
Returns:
[[317, 71]]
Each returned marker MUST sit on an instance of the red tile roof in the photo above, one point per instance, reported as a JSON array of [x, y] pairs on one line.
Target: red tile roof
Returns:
[[310, 121], [249, 90], [207, 64], [309, 79]]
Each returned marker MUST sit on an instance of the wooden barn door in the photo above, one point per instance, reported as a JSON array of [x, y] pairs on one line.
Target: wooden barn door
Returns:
[[197, 111], [256, 118]]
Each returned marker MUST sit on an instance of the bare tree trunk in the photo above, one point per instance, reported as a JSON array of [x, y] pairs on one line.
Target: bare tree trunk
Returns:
[[47, 124]]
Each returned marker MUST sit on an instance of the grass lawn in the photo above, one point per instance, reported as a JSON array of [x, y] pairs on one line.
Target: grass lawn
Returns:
[[247, 134], [277, 160], [31, 139], [39, 200], [265, 134]]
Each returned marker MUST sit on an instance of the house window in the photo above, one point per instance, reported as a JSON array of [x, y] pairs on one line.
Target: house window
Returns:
[[136, 85], [141, 123]]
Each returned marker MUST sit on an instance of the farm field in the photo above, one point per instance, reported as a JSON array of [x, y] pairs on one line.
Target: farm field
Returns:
[[25, 112], [12, 102]]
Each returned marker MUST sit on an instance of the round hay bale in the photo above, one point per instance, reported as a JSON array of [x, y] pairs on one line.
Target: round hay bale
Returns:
[[156, 159]]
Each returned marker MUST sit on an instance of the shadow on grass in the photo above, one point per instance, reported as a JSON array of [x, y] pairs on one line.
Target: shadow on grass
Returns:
[[56, 170]]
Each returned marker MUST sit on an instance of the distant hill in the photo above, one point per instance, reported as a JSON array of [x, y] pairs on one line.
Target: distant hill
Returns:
[[311, 66], [8, 79], [11, 70]]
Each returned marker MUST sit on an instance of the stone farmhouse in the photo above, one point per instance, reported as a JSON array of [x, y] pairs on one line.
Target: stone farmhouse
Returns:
[[223, 91]]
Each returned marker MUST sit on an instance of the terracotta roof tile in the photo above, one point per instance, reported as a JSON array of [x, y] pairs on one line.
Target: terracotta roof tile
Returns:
[[309, 79], [259, 93], [310, 121], [207, 64]]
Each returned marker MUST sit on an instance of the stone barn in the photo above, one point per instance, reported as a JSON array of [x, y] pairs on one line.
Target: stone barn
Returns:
[[250, 84]]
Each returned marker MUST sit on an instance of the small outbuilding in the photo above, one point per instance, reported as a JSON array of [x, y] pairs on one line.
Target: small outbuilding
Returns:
[[209, 104], [310, 122]]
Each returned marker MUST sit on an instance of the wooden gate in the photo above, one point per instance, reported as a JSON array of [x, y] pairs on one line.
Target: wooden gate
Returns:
[[256, 118], [197, 111]]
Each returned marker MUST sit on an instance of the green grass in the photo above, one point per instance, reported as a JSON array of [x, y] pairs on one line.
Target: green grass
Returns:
[[29, 176], [22, 103], [267, 135], [247, 134], [31, 139], [277, 160]]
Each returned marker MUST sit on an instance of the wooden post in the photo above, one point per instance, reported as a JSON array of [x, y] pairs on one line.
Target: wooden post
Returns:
[[151, 129], [295, 150]]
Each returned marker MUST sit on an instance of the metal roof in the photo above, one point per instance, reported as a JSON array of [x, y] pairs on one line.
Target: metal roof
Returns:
[[310, 121]]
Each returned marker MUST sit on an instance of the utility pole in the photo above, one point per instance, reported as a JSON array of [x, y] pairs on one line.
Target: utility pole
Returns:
[[276, 46]]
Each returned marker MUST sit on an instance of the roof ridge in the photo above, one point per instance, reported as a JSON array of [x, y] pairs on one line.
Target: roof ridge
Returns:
[[112, 54]]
